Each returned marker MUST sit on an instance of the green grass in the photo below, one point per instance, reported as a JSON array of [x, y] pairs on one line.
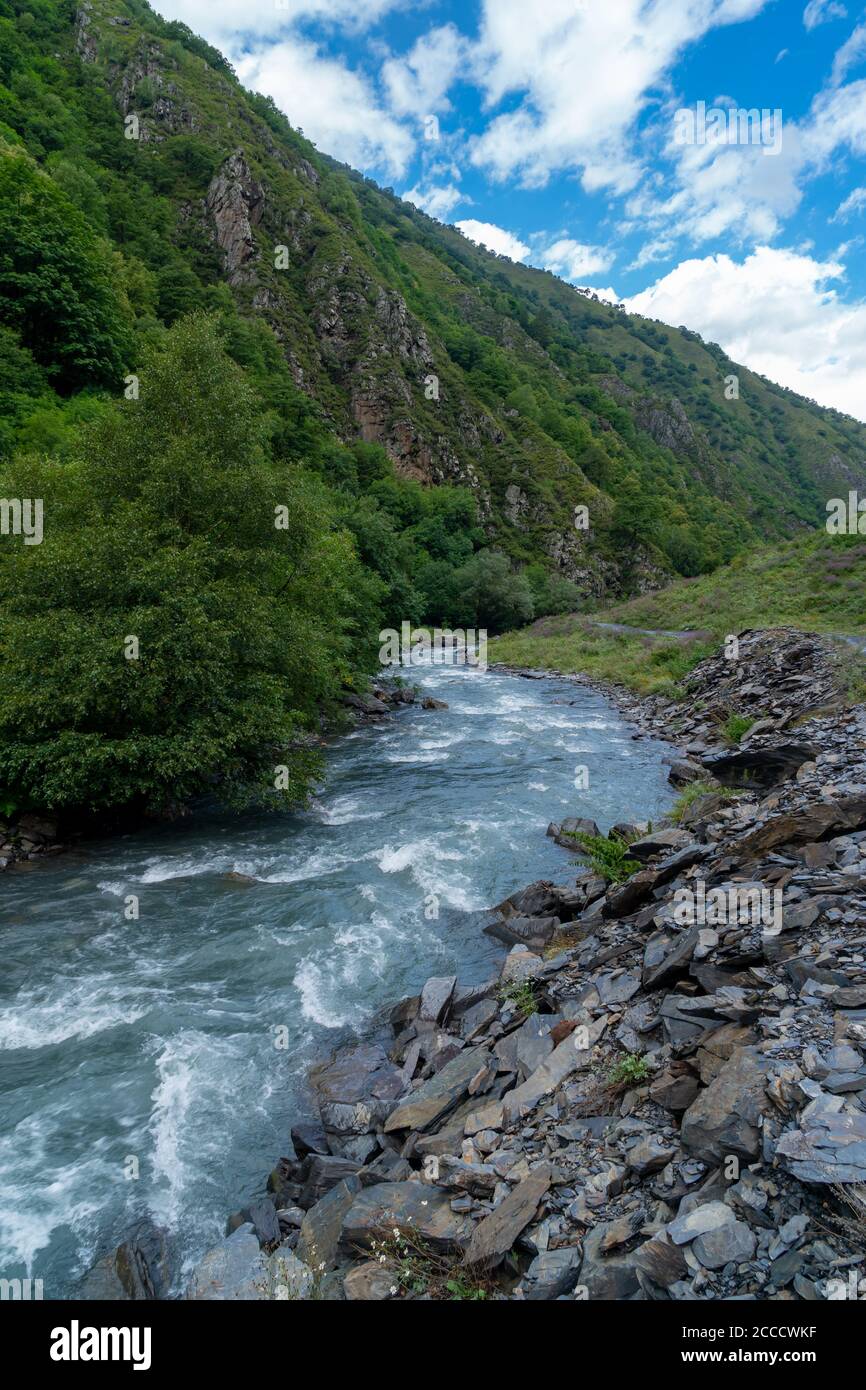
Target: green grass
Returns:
[[736, 726], [520, 993], [693, 793], [817, 583]]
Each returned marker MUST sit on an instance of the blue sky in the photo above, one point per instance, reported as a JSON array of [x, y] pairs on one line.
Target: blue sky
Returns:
[[561, 142]]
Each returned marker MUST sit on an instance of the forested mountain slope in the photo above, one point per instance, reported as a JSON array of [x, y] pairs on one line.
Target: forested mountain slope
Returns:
[[358, 318]]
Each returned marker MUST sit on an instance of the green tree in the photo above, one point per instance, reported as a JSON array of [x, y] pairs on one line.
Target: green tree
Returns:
[[165, 530], [56, 280]]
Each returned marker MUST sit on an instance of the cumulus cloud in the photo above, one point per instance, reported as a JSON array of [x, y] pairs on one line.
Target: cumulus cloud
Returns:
[[336, 107], [572, 260], [228, 23], [494, 238], [436, 201], [776, 312], [418, 83], [584, 72]]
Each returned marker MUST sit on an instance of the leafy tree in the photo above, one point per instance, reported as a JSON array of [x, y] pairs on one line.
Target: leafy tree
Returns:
[[56, 280], [165, 530], [489, 594]]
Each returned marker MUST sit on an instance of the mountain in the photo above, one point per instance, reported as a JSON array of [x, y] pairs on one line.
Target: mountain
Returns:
[[361, 320]]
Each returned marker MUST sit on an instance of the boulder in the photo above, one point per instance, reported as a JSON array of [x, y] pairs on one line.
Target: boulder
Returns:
[[234, 1270], [495, 1235], [725, 1118], [138, 1268], [434, 1098], [762, 767], [436, 998], [829, 1146], [369, 1282], [659, 842], [552, 1274], [323, 1224], [356, 1088], [377, 1210]]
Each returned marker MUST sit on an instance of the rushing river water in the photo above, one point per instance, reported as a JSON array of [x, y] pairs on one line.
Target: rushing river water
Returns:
[[155, 1039]]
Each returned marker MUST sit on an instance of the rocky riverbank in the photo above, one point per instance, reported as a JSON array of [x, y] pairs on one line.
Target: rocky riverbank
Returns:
[[663, 1093]]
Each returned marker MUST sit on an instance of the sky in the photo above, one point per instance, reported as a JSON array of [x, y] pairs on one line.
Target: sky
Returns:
[[600, 139]]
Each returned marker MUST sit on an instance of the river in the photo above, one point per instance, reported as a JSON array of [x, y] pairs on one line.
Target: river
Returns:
[[155, 1065]]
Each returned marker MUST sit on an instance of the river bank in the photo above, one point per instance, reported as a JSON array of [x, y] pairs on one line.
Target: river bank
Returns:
[[638, 1106], [155, 1037]]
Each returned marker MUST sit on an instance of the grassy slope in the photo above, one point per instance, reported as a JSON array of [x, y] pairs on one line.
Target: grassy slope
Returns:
[[818, 584]]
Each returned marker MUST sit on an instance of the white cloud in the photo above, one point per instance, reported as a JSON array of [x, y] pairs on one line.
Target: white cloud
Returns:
[[336, 107], [585, 71], [572, 260], [851, 54], [436, 201], [820, 11], [227, 23], [776, 313], [418, 84], [494, 238], [853, 203]]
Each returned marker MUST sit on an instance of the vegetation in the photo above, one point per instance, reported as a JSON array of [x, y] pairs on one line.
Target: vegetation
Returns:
[[419, 1271], [692, 793], [736, 726], [630, 1070], [817, 583], [521, 994], [608, 857]]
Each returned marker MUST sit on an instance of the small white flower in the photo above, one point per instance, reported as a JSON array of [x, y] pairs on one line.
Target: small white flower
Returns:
[[381, 1259], [393, 1289], [396, 1230]]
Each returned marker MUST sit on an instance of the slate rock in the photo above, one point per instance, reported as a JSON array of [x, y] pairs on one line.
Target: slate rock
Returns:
[[733, 1241], [234, 1270], [830, 1147], [610, 1277], [369, 1282], [138, 1269], [552, 1274], [425, 1208], [434, 1098], [495, 1234], [323, 1223], [724, 1119], [436, 998]]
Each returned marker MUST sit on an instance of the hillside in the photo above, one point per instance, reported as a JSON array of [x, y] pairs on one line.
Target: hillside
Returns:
[[816, 583], [359, 319]]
